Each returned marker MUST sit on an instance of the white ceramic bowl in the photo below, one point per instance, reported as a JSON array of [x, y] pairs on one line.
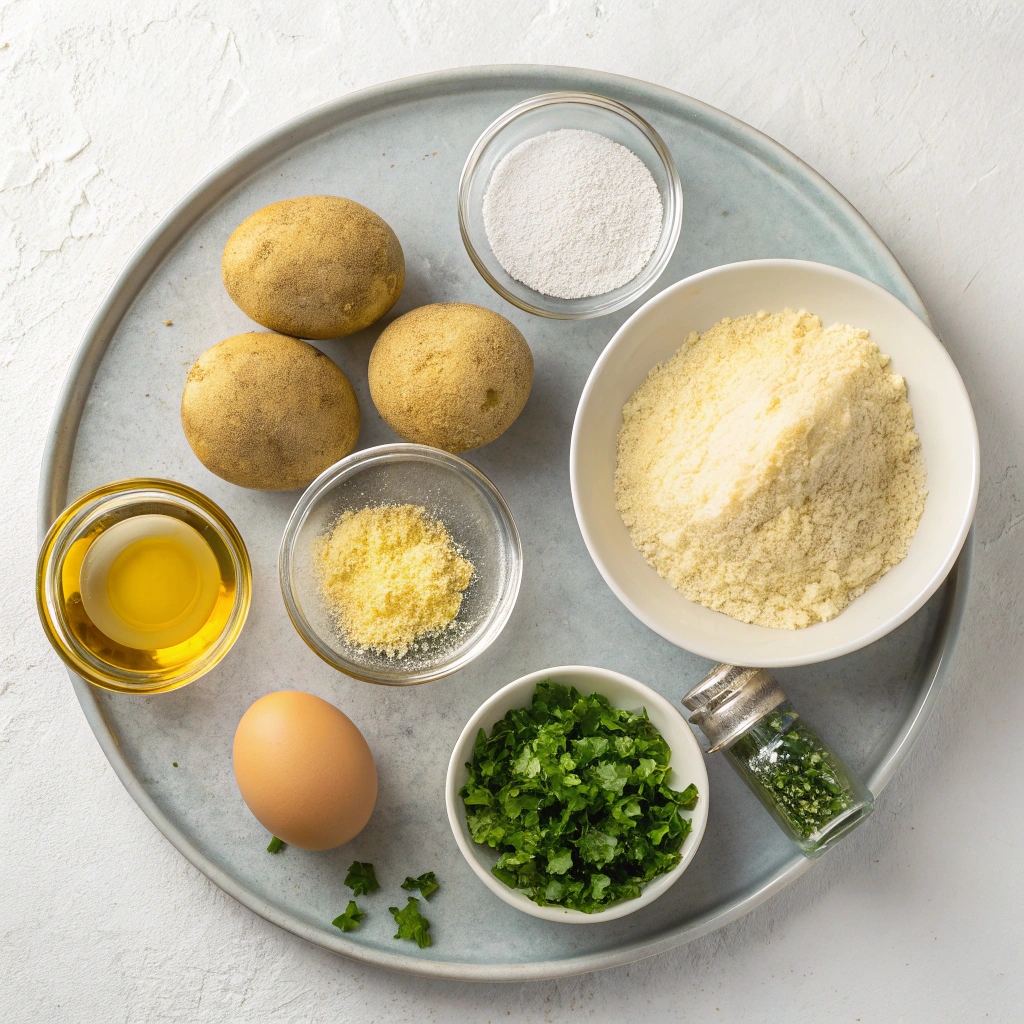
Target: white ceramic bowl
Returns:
[[942, 415], [687, 766]]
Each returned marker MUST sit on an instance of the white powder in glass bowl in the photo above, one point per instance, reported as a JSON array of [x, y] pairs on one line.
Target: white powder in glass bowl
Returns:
[[572, 214]]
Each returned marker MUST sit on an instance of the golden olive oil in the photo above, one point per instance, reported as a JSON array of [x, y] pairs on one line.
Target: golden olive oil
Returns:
[[149, 592]]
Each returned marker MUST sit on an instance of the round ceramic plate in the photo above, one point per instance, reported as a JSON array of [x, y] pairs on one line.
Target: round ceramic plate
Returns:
[[399, 149]]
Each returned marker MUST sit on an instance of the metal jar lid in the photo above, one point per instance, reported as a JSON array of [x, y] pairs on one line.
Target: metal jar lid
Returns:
[[729, 700]]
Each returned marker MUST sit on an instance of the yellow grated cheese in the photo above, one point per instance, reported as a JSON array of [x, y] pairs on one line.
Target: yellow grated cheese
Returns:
[[391, 575]]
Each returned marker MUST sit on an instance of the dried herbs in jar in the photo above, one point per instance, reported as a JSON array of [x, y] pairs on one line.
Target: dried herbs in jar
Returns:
[[807, 788]]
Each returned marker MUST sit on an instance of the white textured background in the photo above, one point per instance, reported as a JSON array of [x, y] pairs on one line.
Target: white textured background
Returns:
[[111, 111]]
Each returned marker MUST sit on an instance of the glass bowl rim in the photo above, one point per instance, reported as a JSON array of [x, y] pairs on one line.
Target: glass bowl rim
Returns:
[[673, 214], [343, 470], [68, 526]]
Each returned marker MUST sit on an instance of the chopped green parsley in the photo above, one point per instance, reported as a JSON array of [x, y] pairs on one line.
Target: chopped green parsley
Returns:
[[349, 920], [360, 878], [571, 792], [426, 884], [411, 923]]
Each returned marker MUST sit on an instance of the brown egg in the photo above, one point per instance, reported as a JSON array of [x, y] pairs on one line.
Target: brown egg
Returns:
[[304, 770]]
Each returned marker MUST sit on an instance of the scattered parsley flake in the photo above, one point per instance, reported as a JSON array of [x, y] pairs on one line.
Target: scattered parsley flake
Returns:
[[411, 923], [360, 878], [349, 921], [276, 845], [571, 792], [426, 883]]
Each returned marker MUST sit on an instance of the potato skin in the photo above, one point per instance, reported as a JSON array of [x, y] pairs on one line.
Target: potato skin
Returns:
[[268, 412], [314, 267], [451, 375]]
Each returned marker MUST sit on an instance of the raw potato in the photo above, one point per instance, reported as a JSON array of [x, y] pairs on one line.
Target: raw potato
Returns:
[[314, 267], [450, 375], [268, 412]]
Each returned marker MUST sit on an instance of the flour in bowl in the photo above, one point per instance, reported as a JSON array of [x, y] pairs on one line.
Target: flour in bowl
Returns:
[[770, 469]]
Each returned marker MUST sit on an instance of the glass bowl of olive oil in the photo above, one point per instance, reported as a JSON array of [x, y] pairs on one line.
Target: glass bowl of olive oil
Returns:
[[143, 585]]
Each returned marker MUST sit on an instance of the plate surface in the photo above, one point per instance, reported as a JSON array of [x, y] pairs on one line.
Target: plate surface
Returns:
[[399, 149], [943, 419]]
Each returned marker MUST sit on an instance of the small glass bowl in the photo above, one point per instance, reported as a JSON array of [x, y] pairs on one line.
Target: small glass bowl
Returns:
[[57, 576], [452, 491], [552, 112]]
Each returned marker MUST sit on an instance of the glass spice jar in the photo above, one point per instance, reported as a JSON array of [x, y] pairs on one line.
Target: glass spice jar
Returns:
[[806, 787]]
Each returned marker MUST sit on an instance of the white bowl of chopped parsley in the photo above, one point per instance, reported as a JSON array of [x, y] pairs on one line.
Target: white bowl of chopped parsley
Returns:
[[577, 794]]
